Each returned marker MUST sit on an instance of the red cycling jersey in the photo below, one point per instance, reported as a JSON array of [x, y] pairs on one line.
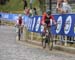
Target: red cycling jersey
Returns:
[[46, 19]]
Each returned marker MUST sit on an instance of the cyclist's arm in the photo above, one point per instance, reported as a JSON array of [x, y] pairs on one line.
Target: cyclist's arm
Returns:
[[51, 17], [43, 19]]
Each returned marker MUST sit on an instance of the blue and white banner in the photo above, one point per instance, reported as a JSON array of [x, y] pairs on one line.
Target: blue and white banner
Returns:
[[65, 23], [69, 25]]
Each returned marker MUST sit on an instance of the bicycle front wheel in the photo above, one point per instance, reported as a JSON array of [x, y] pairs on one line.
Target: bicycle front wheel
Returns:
[[50, 45], [19, 34]]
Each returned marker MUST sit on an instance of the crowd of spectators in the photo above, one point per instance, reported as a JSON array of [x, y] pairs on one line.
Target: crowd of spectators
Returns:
[[30, 11], [63, 7]]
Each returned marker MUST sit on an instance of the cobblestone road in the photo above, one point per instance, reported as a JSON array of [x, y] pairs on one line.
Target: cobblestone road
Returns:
[[11, 50]]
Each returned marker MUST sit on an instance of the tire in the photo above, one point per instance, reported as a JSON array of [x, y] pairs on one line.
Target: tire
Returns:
[[0, 22], [43, 40], [48, 40], [19, 34], [50, 43], [43, 43]]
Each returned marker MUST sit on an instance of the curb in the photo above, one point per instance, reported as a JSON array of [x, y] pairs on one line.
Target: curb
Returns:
[[34, 42], [56, 47], [65, 49]]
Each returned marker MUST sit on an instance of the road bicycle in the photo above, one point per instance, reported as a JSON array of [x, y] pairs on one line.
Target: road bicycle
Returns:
[[47, 38], [19, 32]]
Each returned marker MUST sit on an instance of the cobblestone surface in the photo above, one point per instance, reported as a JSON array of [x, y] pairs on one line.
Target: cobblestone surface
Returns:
[[11, 50]]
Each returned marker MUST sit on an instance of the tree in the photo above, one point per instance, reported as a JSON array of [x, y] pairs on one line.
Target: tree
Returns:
[[3, 2], [42, 5]]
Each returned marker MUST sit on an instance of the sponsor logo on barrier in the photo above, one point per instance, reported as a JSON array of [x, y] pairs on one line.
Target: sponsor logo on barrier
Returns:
[[15, 17], [74, 28], [29, 23], [38, 24], [34, 21], [34, 24], [67, 26], [6, 16], [42, 28], [59, 24]]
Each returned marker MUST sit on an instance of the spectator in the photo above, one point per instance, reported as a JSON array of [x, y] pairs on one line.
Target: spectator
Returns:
[[31, 1], [27, 11], [25, 3], [59, 5], [63, 7], [31, 12], [34, 11]]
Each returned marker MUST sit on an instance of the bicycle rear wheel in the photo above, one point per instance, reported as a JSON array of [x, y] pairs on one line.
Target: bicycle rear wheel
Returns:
[[19, 34], [43, 42], [0, 22], [50, 43]]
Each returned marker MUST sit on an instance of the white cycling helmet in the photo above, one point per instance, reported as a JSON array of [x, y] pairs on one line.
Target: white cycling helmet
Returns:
[[20, 15]]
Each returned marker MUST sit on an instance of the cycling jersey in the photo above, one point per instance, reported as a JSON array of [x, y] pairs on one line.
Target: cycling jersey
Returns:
[[19, 21], [47, 20]]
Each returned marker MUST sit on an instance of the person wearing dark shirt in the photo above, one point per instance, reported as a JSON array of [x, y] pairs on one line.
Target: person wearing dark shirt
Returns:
[[25, 3]]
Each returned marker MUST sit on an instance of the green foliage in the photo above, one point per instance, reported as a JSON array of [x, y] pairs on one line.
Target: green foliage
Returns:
[[15, 5], [12, 5]]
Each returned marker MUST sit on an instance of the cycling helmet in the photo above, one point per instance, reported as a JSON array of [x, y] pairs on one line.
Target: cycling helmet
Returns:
[[48, 12], [20, 15]]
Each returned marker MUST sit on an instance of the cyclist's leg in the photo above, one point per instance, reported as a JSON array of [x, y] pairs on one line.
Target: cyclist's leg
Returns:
[[49, 35], [44, 37], [21, 29], [44, 44], [0, 21], [49, 42], [43, 40], [19, 33], [50, 39]]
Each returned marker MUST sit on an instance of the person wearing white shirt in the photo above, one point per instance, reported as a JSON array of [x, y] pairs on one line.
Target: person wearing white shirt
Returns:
[[64, 7], [31, 1]]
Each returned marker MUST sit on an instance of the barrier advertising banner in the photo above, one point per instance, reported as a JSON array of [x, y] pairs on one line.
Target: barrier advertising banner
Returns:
[[65, 23]]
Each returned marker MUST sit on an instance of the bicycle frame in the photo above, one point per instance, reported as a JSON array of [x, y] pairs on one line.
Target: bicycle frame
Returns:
[[20, 31], [47, 38]]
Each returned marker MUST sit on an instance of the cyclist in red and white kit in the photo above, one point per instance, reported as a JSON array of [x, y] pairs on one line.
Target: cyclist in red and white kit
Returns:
[[19, 22]]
